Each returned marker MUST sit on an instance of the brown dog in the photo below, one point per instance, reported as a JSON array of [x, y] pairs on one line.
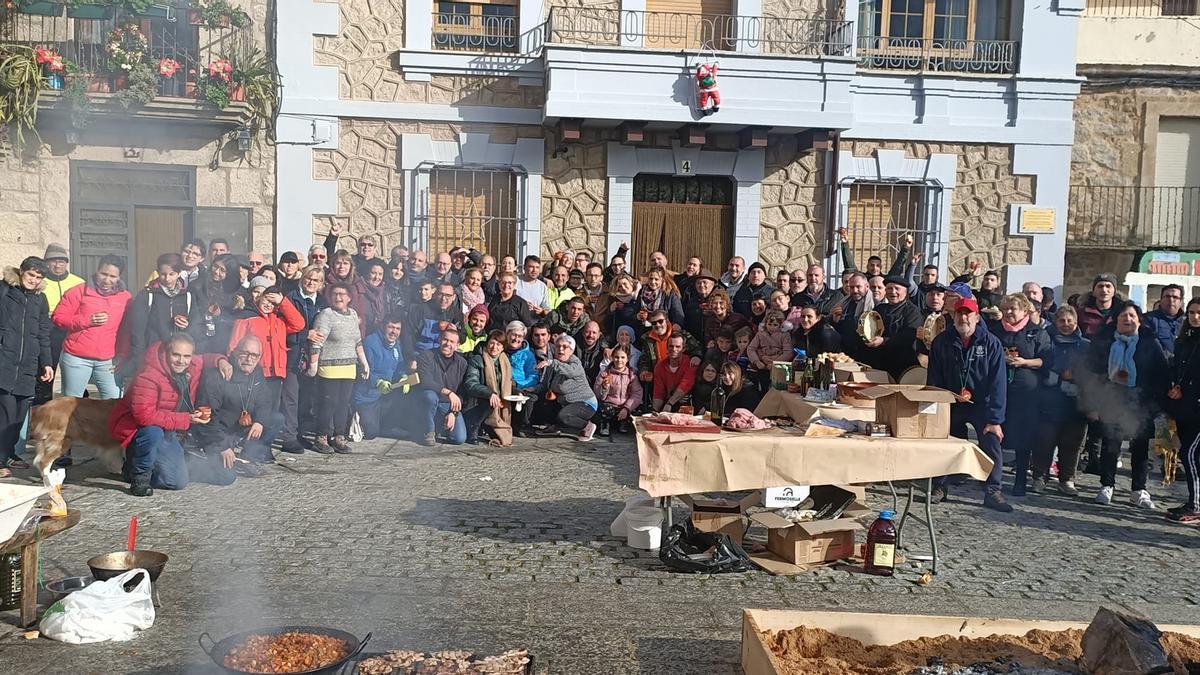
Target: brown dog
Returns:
[[55, 425]]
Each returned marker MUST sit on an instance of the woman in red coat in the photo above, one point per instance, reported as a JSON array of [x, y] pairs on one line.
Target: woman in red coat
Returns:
[[90, 314]]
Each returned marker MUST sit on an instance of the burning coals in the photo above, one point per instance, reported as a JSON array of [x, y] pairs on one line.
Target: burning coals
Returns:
[[998, 666]]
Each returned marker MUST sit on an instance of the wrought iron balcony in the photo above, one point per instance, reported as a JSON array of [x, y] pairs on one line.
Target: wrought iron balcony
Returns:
[[993, 57], [1143, 8], [701, 32], [1133, 217]]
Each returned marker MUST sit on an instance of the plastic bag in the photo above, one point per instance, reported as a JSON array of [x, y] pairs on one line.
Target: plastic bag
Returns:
[[103, 611], [355, 433], [58, 505], [687, 549]]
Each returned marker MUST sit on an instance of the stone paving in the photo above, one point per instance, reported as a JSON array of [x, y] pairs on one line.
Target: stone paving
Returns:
[[486, 549]]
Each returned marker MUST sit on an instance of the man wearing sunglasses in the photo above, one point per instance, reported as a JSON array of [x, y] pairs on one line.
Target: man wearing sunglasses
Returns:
[[317, 255], [655, 345]]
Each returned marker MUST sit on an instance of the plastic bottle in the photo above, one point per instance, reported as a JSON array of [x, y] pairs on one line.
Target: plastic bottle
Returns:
[[799, 364], [880, 559]]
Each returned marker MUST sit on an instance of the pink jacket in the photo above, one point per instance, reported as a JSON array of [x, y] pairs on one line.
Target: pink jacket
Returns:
[[624, 389], [768, 347], [74, 315]]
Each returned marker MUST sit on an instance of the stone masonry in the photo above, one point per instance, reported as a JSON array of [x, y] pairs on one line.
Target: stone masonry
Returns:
[[793, 205], [574, 197]]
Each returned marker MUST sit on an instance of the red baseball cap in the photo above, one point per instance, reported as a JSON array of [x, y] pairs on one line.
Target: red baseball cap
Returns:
[[967, 304]]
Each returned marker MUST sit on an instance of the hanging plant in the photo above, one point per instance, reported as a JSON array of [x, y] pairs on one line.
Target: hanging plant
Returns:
[[20, 88], [126, 47], [141, 87]]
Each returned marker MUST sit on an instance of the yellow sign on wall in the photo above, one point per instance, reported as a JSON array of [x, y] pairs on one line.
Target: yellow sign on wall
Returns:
[[1037, 221]]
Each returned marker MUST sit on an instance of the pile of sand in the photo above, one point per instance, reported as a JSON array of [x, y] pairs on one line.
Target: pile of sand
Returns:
[[813, 651]]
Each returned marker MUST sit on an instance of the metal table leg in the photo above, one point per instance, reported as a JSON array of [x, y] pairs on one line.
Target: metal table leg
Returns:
[[665, 503], [927, 521], [895, 498]]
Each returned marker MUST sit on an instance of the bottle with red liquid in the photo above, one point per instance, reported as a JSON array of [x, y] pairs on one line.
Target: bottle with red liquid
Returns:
[[880, 558]]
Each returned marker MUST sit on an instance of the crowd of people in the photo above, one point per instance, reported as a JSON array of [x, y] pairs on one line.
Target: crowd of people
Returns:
[[218, 356]]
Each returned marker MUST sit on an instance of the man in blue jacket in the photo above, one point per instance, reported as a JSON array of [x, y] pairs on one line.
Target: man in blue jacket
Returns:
[[375, 399], [970, 363], [1166, 319]]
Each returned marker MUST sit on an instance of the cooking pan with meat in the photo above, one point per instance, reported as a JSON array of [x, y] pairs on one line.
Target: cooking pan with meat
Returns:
[[297, 650]]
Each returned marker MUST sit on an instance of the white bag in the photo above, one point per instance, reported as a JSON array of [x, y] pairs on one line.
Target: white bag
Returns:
[[356, 431], [102, 611]]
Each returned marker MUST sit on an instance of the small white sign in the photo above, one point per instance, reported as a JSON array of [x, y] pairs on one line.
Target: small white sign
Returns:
[[928, 409], [685, 167], [785, 497]]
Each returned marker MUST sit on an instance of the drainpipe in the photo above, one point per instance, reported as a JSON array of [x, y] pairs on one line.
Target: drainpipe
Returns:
[[833, 197]]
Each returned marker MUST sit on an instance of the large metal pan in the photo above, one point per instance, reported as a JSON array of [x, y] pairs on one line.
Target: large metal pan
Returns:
[[110, 565], [217, 651]]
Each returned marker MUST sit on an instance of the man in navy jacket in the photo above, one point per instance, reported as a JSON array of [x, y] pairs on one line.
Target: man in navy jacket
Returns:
[[970, 363]]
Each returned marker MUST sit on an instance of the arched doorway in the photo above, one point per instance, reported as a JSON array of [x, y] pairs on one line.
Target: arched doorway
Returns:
[[682, 216]]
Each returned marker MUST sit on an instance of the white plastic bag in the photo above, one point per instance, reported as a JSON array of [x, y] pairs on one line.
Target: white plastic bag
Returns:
[[102, 611], [356, 431]]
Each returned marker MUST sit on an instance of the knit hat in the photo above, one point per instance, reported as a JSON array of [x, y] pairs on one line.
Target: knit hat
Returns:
[[757, 265], [479, 309], [1106, 277], [260, 282], [56, 252], [289, 257]]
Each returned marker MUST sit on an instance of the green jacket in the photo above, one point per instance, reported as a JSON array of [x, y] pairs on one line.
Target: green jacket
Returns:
[[475, 382]]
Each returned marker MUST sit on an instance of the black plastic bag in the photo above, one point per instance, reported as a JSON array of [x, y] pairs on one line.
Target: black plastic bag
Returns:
[[687, 549]]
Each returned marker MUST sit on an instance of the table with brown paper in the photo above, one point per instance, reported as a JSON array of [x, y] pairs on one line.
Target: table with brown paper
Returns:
[[678, 463]]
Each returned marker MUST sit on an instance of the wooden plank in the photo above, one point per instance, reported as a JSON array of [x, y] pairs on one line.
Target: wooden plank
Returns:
[[47, 527]]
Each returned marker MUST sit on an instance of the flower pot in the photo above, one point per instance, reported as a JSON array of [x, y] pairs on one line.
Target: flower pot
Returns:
[[195, 18], [157, 12], [171, 86], [91, 12], [99, 84], [54, 79], [223, 21], [43, 9], [189, 89], [120, 81], [237, 93]]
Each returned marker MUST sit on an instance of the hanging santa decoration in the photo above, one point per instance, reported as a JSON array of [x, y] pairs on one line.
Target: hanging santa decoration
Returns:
[[706, 87]]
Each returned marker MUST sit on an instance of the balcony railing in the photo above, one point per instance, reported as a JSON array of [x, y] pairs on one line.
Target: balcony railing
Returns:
[[701, 32], [473, 33], [1143, 8], [992, 57], [1133, 217], [81, 43]]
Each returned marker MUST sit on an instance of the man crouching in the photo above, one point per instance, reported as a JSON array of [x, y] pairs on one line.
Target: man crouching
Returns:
[[244, 415], [157, 409]]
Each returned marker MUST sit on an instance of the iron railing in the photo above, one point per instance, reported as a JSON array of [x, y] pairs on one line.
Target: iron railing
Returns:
[[997, 57], [81, 43], [1133, 217], [1143, 8], [473, 33], [677, 31], [478, 207], [877, 214]]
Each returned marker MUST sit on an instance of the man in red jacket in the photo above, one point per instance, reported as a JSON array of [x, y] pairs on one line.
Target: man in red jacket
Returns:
[[157, 410]]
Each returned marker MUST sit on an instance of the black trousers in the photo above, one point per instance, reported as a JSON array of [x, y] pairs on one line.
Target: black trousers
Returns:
[[1189, 455], [333, 409], [1139, 452], [44, 391], [574, 416], [296, 402], [13, 410]]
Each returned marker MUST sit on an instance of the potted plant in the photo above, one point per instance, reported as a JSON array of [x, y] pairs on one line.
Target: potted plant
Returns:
[[167, 69], [20, 87], [215, 81], [217, 14], [141, 89], [51, 64], [90, 9], [78, 107], [126, 48]]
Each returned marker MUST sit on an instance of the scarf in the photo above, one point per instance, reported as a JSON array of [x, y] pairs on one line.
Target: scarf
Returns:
[[375, 297], [499, 420], [1121, 367], [623, 299], [471, 298], [1015, 327], [171, 292], [650, 298]]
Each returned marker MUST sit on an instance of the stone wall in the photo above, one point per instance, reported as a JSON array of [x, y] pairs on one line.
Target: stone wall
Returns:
[[372, 31], [793, 205], [370, 187], [980, 203], [1082, 266], [575, 197], [35, 190], [800, 9]]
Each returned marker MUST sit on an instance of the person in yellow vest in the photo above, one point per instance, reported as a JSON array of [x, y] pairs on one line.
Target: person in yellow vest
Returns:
[[59, 280]]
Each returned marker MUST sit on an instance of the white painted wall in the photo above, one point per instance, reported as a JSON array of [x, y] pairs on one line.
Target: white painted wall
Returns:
[[1140, 41]]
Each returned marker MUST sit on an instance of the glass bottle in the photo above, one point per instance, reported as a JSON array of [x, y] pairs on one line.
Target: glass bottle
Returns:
[[716, 403]]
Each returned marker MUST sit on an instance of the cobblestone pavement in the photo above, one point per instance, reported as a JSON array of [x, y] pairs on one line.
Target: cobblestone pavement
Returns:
[[486, 549]]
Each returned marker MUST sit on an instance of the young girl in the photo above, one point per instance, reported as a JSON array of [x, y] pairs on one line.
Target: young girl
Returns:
[[770, 344], [618, 391], [738, 392], [742, 338]]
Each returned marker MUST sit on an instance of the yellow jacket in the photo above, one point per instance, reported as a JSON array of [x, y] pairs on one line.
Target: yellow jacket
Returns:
[[55, 289]]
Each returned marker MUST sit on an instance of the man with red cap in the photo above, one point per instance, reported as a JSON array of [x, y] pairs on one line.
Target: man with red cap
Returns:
[[970, 362]]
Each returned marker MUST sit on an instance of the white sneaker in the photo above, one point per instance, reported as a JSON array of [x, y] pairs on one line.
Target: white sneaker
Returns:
[[1141, 499], [1104, 496], [588, 432]]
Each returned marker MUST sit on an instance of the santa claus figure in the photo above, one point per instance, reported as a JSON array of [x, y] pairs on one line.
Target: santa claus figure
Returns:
[[706, 84]]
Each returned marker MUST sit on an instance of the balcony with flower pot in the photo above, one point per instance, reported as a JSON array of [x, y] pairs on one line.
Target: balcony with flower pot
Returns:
[[132, 60]]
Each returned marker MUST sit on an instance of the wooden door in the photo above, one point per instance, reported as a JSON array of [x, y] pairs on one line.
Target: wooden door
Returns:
[[98, 230], [681, 231], [689, 24], [156, 231]]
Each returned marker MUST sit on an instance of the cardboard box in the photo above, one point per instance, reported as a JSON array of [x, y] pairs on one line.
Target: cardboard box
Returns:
[[883, 629], [912, 410], [856, 372], [727, 516], [808, 543]]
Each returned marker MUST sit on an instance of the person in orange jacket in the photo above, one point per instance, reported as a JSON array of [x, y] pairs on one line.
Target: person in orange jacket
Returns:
[[277, 317]]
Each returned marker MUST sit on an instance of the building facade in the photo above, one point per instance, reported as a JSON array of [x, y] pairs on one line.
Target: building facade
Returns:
[[1135, 171], [129, 160], [523, 129]]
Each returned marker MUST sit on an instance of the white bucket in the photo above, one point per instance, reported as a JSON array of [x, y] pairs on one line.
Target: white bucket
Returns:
[[618, 527], [644, 526]]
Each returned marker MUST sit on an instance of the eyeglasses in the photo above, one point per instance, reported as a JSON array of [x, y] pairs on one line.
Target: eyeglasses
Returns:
[[317, 256], [250, 356], [256, 263]]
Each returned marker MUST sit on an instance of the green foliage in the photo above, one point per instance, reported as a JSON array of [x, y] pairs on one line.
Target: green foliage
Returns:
[[142, 87], [216, 13], [75, 101]]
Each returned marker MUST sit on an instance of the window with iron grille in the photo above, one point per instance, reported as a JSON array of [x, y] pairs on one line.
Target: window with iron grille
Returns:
[[880, 213], [482, 26], [476, 207]]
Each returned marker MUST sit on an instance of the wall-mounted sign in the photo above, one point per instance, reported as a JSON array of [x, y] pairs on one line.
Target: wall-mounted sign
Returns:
[[685, 167], [1178, 263], [1036, 221]]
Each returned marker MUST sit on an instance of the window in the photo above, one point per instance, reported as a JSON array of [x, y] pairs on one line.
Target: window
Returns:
[[487, 26], [880, 213], [476, 208], [948, 35]]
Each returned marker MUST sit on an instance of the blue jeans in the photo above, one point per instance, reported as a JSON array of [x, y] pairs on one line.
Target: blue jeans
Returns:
[[435, 410], [259, 449], [156, 454], [77, 372]]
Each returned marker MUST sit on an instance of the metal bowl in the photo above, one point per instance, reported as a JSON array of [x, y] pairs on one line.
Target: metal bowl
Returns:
[[110, 565], [218, 650], [61, 588]]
